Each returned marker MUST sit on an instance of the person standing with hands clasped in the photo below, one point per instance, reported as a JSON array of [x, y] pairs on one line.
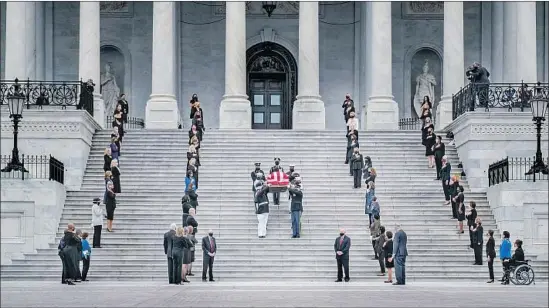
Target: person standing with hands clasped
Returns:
[[342, 246], [491, 254], [209, 248]]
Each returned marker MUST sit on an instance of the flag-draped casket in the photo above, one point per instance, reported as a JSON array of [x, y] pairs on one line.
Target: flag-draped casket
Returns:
[[278, 180]]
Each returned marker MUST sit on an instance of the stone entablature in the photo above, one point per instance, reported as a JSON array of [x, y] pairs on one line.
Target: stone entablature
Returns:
[[482, 138], [65, 134]]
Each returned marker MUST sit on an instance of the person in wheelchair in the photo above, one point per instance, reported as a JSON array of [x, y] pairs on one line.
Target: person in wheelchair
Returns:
[[516, 260]]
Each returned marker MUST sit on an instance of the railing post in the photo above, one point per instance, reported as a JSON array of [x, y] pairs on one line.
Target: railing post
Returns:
[[23, 163]]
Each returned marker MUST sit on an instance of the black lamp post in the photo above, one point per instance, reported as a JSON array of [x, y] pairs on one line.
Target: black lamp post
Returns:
[[16, 102], [539, 105], [269, 7]]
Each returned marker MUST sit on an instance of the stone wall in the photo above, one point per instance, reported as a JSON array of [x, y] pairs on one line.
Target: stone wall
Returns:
[[521, 208], [65, 134], [30, 214], [483, 138]]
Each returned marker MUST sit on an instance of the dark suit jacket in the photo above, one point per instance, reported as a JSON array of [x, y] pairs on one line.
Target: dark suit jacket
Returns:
[[400, 241], [491, 248], [168, 241], [344, 247], [206, 245], [478, 235]]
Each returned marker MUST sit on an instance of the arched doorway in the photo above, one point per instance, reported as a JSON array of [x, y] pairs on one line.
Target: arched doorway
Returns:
[[272, 85]]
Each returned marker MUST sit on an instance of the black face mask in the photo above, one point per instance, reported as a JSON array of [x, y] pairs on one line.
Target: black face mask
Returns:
[[210, 234], [342, 234], [291, 169], [277, 162]]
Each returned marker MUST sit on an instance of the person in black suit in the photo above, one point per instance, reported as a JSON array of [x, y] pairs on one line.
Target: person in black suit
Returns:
[[460, 208], [209, 248], [471, 217], [357, 163], [400, 252], [348, 107], [491, 254], [296, 206], [179, 244], [478, 241], [125, 107], [168, 241], [352, 143], [342, 246], [185, 206], [439, 150]]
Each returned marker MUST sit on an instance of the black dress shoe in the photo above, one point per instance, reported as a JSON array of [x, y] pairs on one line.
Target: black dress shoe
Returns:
[[338, 280], [298, 236], [204, 280], [293, 236], [212, 280], [185, 280], [190, 274], [490, 281], [70, 283], [347, 279]]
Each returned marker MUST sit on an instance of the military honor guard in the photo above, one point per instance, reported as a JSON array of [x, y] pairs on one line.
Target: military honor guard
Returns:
[[275, 168]]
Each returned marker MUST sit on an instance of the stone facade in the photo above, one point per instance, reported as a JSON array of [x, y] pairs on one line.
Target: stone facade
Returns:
[[201, 48]]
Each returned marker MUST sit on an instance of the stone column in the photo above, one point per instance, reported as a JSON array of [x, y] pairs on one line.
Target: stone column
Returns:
[[161, 111], [527, 71], [382, 110], [40, 40], [89, 53], [20, 40], [364, 57], [308, 111], [510, 42], [496, 74], [235, 111], [454, 62]]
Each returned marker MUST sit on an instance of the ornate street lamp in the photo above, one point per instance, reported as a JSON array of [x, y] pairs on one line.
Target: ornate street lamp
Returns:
[[269, 7], [16, 102], [539, 105]]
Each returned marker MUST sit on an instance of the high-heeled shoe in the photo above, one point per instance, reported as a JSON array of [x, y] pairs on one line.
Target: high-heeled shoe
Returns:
[[185, 280], [490, 281]]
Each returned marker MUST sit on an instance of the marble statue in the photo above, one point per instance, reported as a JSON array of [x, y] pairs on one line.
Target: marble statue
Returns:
[[109, 90], [425, 86]]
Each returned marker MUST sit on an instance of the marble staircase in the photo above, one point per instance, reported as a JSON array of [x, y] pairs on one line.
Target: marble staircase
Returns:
[[153, 168]]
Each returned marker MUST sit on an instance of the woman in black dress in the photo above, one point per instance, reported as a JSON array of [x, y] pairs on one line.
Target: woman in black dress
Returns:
[[187, 253], [110, 205], [471, 218], [70, 255], [430, 141], [425, 129], [116, 176], [439, 150], [118, 122], [388, 254], [179, 245], [426, 108], [461, 208], [107, 158]]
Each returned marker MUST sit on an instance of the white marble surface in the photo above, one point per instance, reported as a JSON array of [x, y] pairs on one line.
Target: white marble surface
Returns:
[[162, 110], [65, 134], [496, 74], [30, 41], [510, 41], [527, 70], [454, 61], [235, 111], [40, 27], [482, 138], [381, 110], [520, 207], [16, 41], [30, 214]]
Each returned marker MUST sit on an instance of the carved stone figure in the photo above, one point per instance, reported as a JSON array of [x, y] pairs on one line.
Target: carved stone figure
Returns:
[[109, 90], [425, 86]]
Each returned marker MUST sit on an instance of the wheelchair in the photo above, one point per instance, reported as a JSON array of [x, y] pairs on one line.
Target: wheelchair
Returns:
[[521, 273]]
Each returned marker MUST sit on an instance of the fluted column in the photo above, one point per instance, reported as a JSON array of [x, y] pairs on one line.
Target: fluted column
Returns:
[[454, 63], [40, 41], [162, 111], [527, 70], [382, 110], [496, 69], [510, 42], [235, 111], [20, 40], [89, 53], [308, 111]]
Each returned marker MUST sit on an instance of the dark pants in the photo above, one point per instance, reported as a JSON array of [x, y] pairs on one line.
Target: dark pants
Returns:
[[177, 267], [276, 198], [470, 237], [63, 271], [438, 164], [350, 168], [184, 218], [207, 266], [400, 269], [446, 190], [374, 246], [97, 236], [357, 177], [296, 215], [381, 259], [454, 210], [491, 268], [85, 267], [342, 262], [478, 253], [170, 270]]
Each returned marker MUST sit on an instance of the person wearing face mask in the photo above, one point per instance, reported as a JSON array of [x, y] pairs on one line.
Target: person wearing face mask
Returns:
[[430, 141], [296, 206], [350, 151], [254, 174], [445, 173], [347, 103], [291, 176], [425, 129], [342, 246], [357, 163], [262, 206], [209, 249], [276, 168], [439, 150], [352, 123]]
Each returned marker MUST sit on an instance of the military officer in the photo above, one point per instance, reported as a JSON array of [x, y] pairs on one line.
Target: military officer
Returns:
[[254, 174], [276, 167]]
